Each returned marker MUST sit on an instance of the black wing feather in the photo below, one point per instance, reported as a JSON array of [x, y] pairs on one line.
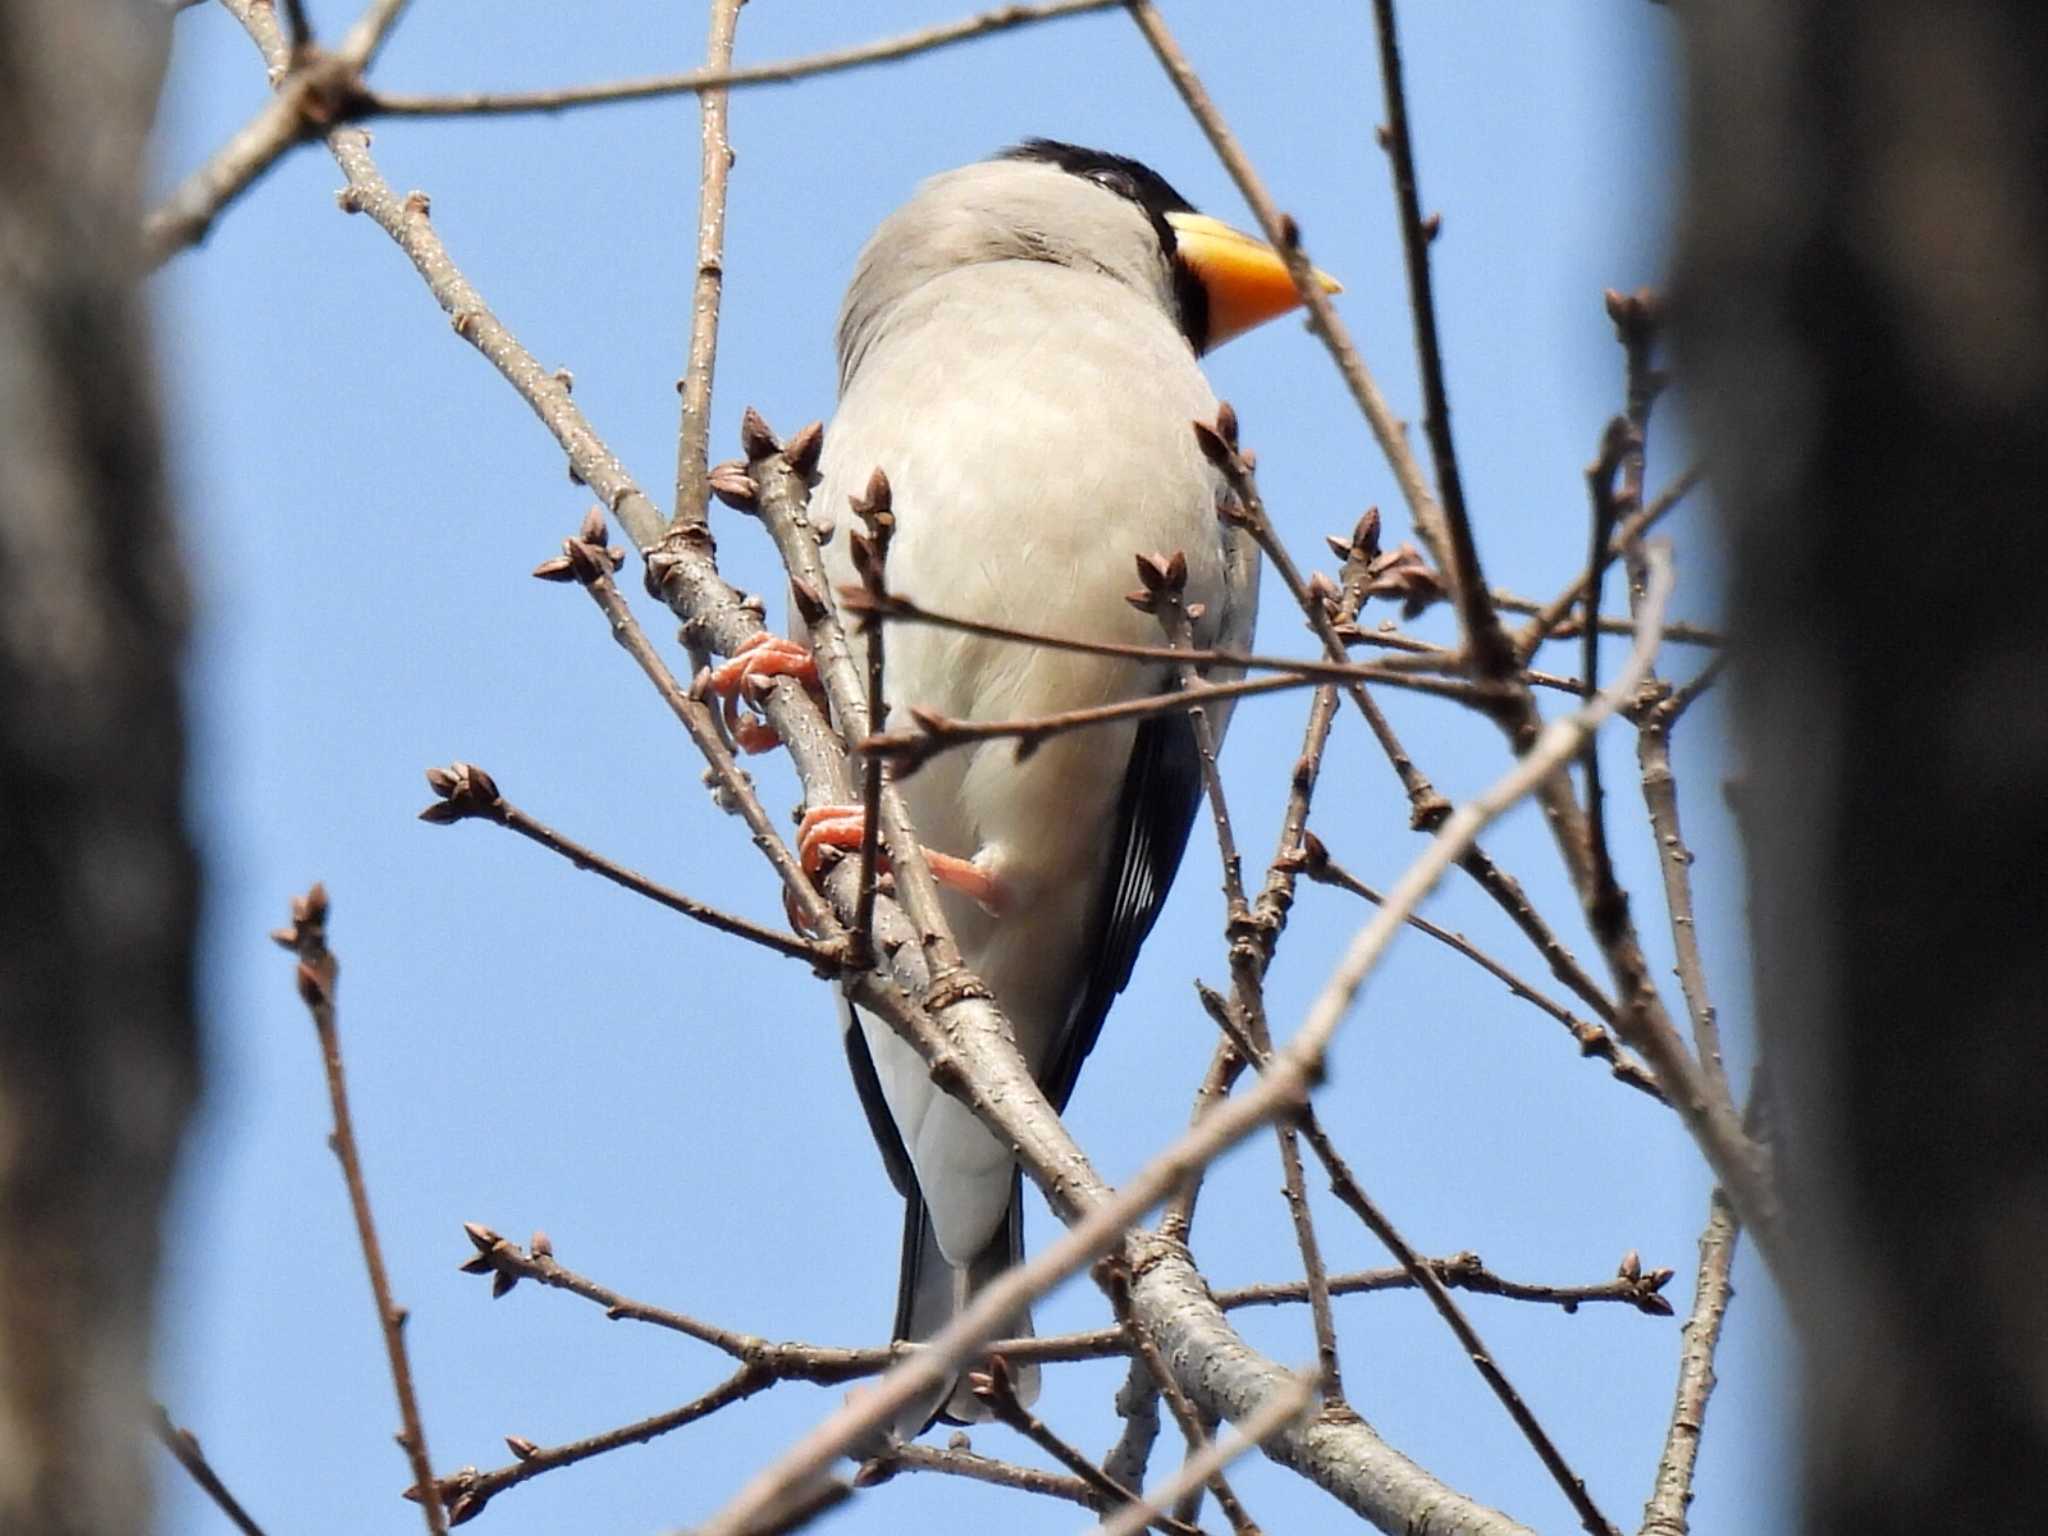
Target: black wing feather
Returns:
[[1161, 793], [881, 1124]]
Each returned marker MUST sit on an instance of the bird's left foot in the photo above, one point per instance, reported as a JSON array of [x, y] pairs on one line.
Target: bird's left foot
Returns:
[[844, 826], [761, 655]]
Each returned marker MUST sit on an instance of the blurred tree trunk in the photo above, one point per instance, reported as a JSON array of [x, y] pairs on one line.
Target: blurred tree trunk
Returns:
[[1864, 323], [97, 875]]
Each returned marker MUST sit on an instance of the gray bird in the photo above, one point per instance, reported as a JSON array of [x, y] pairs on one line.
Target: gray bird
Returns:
[[1018, 353]]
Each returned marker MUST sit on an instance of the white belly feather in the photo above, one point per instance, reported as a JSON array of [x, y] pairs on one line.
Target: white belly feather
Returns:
[[993, 522]]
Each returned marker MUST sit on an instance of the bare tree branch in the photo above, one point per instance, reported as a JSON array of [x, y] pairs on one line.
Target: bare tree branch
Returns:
[[1387, 429], [1593, 1041], [463, 1494], [1675, 633], [1284, 1404], [314, 91], [184, 1446], [592, 566], [1665, 1514], [1287, 1075], [1347, 1188], [693, 439], [994, 1388], [1484, 637], [910, 1456], [1674, 859], [306, 937], [827, 1365], [962, 1033], [1194, 1429], [937, 733], [886, 50], [1552, 614], [468, 793], [894, 607]]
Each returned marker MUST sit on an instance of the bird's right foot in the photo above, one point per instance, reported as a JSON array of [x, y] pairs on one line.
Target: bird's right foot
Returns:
[[844, 826]]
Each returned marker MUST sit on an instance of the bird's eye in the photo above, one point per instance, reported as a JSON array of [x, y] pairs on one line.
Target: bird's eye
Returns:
[[1110, 179]]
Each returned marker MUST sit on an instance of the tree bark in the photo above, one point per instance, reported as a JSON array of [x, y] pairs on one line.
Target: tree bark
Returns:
[[1864, 329], [98, 879]]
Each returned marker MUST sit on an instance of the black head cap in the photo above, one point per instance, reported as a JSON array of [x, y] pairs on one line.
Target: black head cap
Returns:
[[1155, 198]]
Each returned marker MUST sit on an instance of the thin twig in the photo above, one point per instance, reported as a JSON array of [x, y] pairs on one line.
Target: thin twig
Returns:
[[306, 94], [911, 1456], [306, 937], [467, 793], [829, 1364], [1674, 859], [885, 50], [1145, 1348], [1615, 443], [184, 1445], [871, 558], [1188, 1506], [783, 479], [1427, 807], [1137, 1404], [1166, 587], [1484, 637], [1276, 895], [1213, 1458], [372, 30], [822, 1364], [1344, 1183], [465, 1493], [314, 90], [298, 28], [896, 608], [1226, 1065], [1279, 1090], [1439, 658], [1689, 694], [1464, 1272], [592, 566], [1636, 319], [936, 733], [1247, 509], [1665, 1513], [693, 438], [1633, 527], [1593, 1041], [1282, 231], [1508, 894], [1675, 633], [994, 1388], [690, 513]]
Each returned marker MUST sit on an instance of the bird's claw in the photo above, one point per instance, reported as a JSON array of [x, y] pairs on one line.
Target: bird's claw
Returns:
[[763, 655], [844, 827]]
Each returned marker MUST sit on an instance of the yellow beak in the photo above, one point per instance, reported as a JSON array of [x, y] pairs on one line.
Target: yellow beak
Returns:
[[1245, 278]]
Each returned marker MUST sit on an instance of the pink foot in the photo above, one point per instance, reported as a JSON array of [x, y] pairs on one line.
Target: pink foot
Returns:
[[761, 655], [843, 826]]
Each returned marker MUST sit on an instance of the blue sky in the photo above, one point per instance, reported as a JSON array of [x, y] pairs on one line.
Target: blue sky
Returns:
[[532, 1049]]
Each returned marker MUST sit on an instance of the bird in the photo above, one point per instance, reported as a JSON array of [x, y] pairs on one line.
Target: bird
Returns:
[[1019, 354]]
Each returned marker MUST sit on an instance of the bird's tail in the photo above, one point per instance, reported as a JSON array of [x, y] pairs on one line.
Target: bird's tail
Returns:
[[932, 1292]]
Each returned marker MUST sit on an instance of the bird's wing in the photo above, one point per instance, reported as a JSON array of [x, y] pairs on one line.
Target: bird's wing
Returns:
[[1162, 789], [881, 1124]]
